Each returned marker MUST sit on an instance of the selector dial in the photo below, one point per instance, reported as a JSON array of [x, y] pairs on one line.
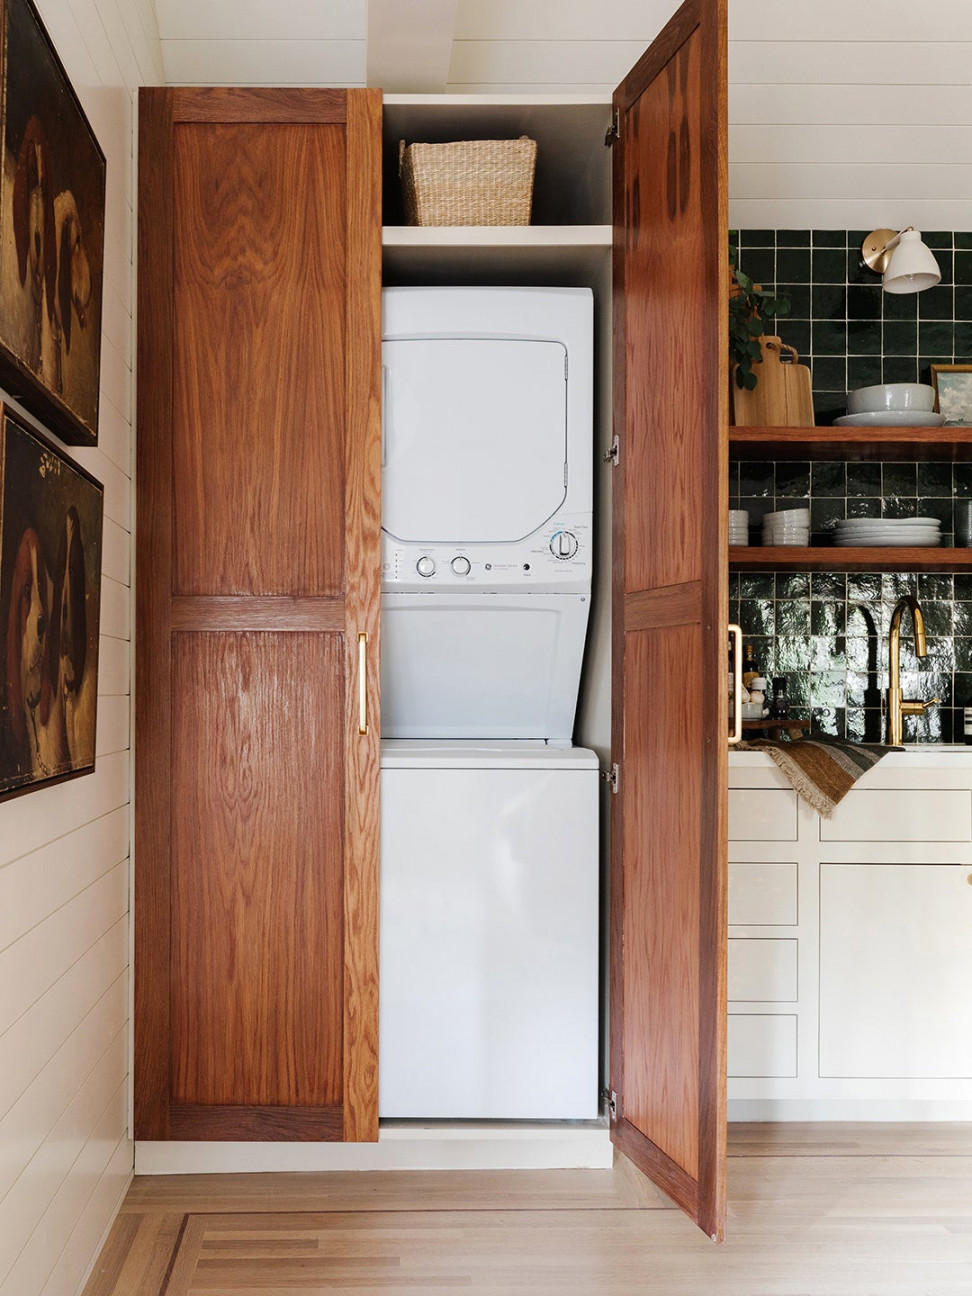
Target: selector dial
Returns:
[[563, 544], [461, 566], [425, 566]]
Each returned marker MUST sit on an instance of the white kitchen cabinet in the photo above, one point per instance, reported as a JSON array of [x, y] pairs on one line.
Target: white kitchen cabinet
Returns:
[[850, 944], [895, 971]]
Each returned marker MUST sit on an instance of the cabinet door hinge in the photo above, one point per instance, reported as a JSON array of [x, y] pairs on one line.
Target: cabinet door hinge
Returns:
[[614, 778], [613, 133], [614, 454], [610, 1099]]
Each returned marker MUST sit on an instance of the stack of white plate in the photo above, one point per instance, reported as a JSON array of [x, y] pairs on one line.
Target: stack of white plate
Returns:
[[787, 527], [917, 532], [738, 527]]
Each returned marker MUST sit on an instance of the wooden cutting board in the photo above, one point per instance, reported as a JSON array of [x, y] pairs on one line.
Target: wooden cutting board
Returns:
[[783, 395]]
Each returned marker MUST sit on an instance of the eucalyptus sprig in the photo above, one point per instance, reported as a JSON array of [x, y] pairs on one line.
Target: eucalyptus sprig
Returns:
[[749, 309]]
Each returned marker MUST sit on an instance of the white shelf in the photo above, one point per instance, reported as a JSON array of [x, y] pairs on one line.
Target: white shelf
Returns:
[[498, 253], [488, 236]]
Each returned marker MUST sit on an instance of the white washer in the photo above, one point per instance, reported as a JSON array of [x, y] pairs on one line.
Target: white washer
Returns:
[[486, 510], [489, 931]]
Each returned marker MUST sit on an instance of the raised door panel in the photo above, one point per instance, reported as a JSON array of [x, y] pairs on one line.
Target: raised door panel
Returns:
[[661, 898], [257, 898], [259, 468], [259, 355], [669, 820]]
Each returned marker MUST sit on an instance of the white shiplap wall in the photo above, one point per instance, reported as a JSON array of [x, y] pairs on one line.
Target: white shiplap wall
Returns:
[[65, 1156], [841, 115]]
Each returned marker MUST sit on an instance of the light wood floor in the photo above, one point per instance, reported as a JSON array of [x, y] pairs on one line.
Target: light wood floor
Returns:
[[815, 1210]]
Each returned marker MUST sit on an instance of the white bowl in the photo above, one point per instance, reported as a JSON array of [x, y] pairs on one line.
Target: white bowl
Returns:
[[788, 515], [741, 516], [891, 396]]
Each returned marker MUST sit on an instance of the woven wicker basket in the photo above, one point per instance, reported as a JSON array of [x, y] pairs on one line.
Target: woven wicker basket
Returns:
[[470, 182]]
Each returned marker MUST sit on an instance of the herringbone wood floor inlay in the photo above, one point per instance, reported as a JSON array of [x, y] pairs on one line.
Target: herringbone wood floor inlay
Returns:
[[845, 1210]]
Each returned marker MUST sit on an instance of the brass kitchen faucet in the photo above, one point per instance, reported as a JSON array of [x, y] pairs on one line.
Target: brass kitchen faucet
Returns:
[[898, 706]]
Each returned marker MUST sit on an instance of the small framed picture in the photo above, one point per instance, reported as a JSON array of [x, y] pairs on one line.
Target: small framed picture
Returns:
[[953, 393]]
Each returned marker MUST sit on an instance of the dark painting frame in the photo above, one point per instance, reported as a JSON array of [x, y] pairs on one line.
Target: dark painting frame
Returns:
[[52, 234], [51, 521]]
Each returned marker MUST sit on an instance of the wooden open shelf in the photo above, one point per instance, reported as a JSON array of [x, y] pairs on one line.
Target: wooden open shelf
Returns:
[[949, 443], [832, 558]]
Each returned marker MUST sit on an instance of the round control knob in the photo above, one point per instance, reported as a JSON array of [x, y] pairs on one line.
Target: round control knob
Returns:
[[425, 566], [461, 566], [563, 544]]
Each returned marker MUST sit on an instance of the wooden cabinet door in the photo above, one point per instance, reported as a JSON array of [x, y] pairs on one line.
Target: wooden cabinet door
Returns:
[[258, 481], [668, 905]]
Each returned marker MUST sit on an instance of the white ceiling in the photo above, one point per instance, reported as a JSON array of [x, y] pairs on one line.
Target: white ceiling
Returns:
[[841, 113]]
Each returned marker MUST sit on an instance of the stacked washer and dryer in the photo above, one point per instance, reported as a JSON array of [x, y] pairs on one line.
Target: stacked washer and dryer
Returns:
[[489, 821]]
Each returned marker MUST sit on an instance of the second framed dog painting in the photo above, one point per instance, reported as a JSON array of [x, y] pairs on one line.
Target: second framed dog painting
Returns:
[[52, 218], [50, 602]]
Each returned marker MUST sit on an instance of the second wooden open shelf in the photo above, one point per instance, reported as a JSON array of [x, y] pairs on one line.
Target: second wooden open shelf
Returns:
[[907, 443], [832, 558]]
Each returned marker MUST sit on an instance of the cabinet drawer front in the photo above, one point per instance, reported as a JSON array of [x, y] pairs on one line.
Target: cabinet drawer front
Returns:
[[762, 814], [763, 970], [762, 895], [762, 1046], [900, 816]]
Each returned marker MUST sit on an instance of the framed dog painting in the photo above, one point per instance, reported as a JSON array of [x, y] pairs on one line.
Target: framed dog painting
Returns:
[[50, 601], [52, 219]]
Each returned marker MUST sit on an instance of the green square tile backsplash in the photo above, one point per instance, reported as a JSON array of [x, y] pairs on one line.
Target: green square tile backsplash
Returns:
[[845, 328], [827, 632]]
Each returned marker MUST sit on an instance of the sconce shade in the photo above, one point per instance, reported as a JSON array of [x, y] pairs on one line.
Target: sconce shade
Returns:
[[912, 267], [904, 260]]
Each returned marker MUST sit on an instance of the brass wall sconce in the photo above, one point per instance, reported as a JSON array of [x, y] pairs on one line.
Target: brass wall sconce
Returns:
[[902, 258]]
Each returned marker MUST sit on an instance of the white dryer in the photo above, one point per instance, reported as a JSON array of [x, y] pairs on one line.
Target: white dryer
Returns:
[[486, 510]]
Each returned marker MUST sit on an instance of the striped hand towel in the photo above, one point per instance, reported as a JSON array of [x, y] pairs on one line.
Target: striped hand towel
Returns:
[[822, 770]]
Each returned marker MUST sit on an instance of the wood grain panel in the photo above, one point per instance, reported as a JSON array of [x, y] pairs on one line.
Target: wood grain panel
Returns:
[[665, 280], [363, 558], [257, 758], [237, 1123], [269, 105], [259, 359], [875, 443], [670, 605], [259, 475], [669, 819], [853, 558], [229, 613], [153, 565], [662, 896]]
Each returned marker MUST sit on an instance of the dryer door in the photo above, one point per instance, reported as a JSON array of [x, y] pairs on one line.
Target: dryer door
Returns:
[[475, 438], [481, 666]]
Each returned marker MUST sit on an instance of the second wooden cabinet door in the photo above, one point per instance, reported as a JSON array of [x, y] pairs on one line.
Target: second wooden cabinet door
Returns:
[[257, 704]]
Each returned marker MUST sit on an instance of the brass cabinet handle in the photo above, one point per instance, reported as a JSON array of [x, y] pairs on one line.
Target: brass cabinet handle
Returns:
[[363, 682], [737, 665]]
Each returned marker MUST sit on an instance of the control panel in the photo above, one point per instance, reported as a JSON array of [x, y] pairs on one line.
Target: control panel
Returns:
[[558, 554]]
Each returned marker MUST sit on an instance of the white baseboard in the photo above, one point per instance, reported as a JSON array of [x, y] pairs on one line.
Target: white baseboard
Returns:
[[399, 1147], [849, 1109]]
